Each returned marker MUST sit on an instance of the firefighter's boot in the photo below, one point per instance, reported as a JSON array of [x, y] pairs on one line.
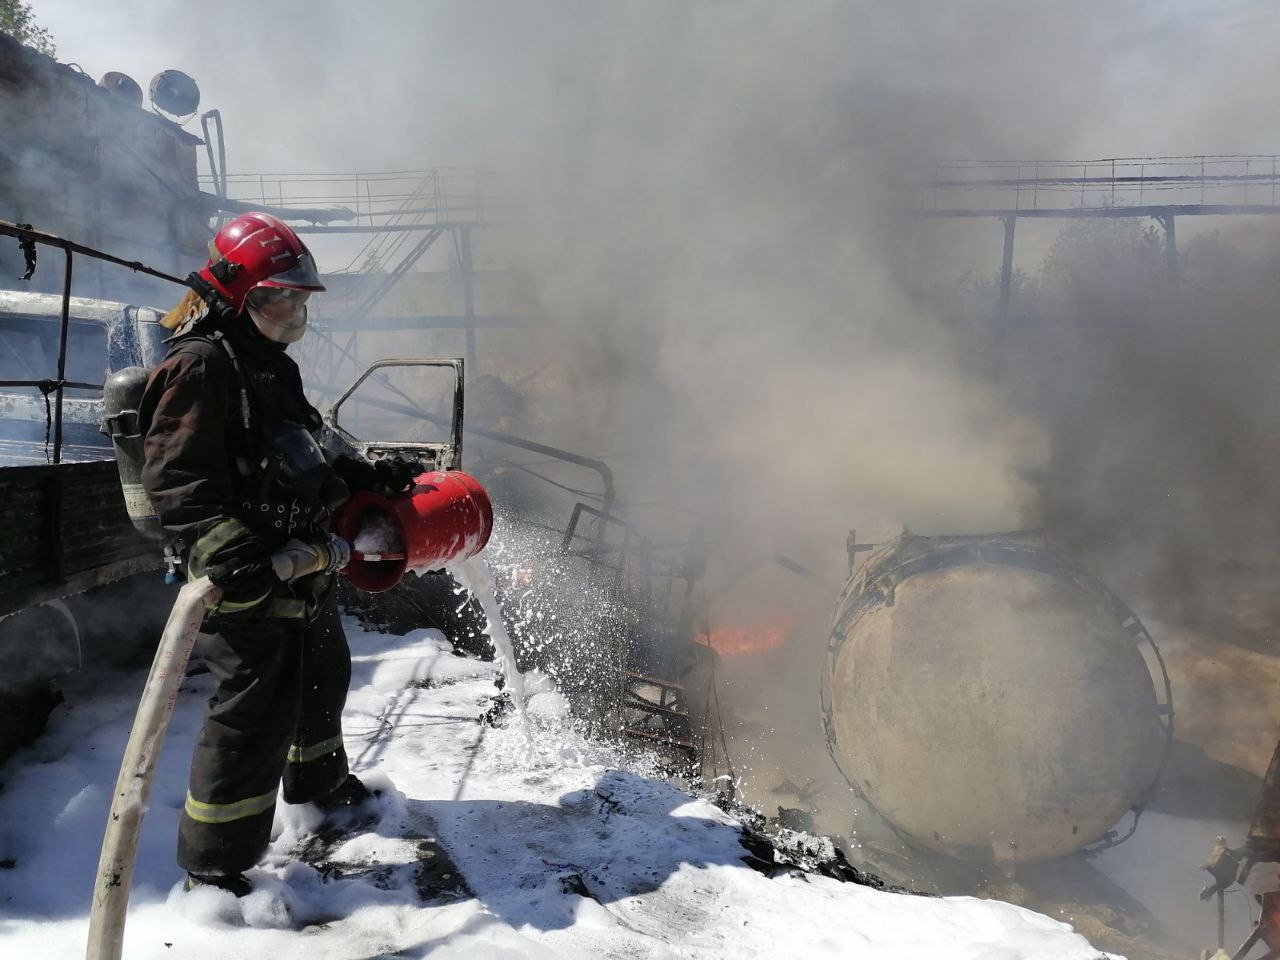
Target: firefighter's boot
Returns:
[[236, 884], [351, 806]]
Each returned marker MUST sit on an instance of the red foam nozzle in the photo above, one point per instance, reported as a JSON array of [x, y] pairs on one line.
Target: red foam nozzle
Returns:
[[444, 519]]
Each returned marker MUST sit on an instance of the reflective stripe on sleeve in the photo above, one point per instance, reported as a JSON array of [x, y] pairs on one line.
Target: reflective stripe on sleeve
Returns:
[[218, 536], [287, 608], [227, 606], [281, 608], [203, 812]]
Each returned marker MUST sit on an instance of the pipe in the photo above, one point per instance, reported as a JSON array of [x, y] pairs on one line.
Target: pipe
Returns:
[[62, 358], [129, 802], [599, 466], [602, 469], [20, 232], [218, 164]]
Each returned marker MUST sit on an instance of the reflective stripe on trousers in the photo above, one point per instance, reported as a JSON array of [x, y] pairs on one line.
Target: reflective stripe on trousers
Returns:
[[203, 812], [274, 720], [306, 754]]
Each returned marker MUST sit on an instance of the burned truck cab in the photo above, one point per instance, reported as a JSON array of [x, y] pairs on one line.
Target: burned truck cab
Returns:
[[66, 539], [103, 336]]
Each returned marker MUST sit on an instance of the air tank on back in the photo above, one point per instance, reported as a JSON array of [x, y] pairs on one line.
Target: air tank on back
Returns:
[[991, 699], [121, 397]]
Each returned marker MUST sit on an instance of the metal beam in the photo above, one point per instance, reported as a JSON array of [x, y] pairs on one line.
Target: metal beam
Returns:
[[218, 204], [419, 322], [400, 227], [1170, 244], [1062, 213], [1024, 182], [1006, 268], [468, 292]]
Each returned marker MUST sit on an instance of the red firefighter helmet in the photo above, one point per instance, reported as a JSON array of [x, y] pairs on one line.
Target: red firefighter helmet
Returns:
[[258, 250]]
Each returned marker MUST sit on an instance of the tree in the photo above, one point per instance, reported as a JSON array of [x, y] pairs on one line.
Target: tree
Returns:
[[19, 22]]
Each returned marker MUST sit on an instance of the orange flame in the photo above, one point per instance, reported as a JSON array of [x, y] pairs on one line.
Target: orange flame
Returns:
[[1269, 922], [731, 641]]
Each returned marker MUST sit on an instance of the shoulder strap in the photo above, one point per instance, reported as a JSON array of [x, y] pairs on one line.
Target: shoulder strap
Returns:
[[242, 380], [216, 337]]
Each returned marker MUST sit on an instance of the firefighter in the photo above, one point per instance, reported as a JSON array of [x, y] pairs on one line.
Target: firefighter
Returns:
[[1263, 842], [235, 474], [1260, 870]]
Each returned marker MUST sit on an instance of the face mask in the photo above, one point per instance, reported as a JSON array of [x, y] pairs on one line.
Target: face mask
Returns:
[[279, 314]]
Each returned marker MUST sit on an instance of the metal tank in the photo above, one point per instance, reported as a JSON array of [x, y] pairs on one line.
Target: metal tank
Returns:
[[992, 700]]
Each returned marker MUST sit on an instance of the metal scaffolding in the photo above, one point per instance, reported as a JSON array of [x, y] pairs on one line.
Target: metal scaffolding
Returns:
[[402, 213], [1159, 188]]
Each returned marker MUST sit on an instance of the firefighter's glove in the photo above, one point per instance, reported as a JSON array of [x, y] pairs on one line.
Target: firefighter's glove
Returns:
[[236, 560], [395, 475], [297, 559], [389, 476], [243, 585], [356, 473]]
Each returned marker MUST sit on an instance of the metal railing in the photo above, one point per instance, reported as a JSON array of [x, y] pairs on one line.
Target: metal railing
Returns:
[[27, 238], [442, 193], [1221, 180]]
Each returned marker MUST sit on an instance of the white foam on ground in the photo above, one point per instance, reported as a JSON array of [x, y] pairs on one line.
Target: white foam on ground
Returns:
[[531, 820]]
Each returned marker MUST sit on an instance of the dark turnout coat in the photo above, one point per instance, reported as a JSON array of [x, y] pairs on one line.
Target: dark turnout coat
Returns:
[[276, 650], [212, 410]]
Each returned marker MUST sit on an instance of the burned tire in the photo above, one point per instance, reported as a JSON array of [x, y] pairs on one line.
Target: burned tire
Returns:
[[37, 646], [452, 611], [24, 714], [430, 600]]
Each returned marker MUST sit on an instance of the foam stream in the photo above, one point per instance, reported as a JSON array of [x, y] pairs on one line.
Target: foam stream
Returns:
[[475, 578]]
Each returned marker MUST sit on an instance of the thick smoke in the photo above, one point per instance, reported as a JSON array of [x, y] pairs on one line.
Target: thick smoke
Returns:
[[736, 312], [716, 262], [1159, 394], [705, 197]]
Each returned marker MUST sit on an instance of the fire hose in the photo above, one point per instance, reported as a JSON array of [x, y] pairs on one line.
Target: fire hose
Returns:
[[445, 518], [150, 724], [133, 785]]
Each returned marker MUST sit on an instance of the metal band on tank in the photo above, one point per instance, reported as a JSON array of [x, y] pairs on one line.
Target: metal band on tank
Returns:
[[880, 586]]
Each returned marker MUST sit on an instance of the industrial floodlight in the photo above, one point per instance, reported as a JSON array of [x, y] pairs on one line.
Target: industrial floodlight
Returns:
[[175, 93], [122, 85]]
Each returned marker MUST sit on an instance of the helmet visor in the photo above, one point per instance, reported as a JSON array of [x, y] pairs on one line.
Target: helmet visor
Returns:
[[279, 313], [265, 296], [301, 276]]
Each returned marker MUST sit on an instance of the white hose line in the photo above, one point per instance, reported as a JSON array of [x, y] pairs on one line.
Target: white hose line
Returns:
[[129, 803]]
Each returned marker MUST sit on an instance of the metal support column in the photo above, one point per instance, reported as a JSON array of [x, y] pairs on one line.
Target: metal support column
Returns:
[[1170, 243], [468, 293], [62, 358], [1006, 267]]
